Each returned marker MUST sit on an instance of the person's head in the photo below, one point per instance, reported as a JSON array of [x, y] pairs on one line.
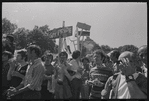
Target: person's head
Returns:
[[49, 57], [21, 55], [142, 52], [114, 55], [133, 60], [33, 51], [63, 57], [6, 55], [10, 38], [98, 56], [76, 54], [85, 61], [107, 61]]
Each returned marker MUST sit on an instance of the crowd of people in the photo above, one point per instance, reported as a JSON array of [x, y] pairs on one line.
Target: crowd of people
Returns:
[[28, 74]]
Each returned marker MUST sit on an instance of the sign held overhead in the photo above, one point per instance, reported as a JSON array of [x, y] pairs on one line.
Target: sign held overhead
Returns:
[[83, 26], [60, 32], [84, 33]]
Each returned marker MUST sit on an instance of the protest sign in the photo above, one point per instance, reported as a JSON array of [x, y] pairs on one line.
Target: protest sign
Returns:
[[84, 33], [60, 32], [83, 26]]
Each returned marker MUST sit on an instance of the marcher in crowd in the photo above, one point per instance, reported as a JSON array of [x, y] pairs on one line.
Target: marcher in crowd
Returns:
[[85, 76], [63, 86], [31, 85], [17, 76], [45, 91], [6, 55], [8, 44], [76, 67], [107, 62], [142, 52], [128, 84], [114, 58], [98, 75]]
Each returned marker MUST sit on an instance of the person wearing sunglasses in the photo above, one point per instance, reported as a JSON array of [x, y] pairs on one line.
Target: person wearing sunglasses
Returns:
[[128, 84]]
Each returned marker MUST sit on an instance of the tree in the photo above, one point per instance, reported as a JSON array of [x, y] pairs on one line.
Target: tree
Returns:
[[39, 37], [96, 46], [8, 27], [105, 48], [130, 48], [21, 38]]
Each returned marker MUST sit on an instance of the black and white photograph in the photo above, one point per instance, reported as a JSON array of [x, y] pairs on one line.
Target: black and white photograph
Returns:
[[74, 50]]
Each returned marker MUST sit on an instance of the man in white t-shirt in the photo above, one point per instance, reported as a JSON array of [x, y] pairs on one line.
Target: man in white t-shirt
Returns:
[[128, 84]]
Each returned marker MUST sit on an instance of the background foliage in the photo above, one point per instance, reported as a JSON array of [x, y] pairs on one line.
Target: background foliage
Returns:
[[39, 36]]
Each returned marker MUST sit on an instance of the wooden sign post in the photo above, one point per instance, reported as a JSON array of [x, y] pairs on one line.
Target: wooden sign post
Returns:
[[60, 43], [82, 26]]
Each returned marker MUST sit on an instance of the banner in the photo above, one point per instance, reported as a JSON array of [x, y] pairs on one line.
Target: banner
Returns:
[[83, 26], [60, 32], [84, 33]]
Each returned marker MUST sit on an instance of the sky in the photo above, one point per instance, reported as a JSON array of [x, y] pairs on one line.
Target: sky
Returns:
[[112, 23]]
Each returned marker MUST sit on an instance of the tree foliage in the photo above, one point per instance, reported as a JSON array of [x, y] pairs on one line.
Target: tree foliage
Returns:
[[7, 26], [130, 48], [39, 36], [96, 46], [106, 48], [21, 38]]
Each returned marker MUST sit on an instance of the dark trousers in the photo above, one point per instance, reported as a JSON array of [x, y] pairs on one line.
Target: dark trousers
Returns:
[[45, 94], [4, 93], [18, 96], [92, 97], [30, 94], [76, 88]]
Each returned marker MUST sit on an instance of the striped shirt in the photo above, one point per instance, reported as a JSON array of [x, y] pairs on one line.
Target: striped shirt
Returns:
[[34, 75], [101, 74]]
